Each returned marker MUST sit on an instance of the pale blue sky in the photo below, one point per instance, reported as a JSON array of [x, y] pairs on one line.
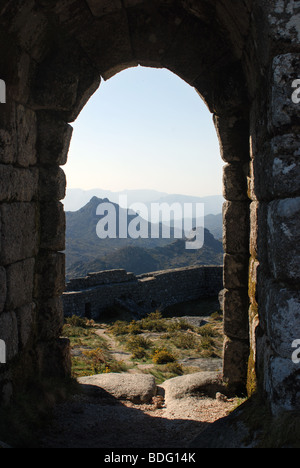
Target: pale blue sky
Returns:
[[145, 129]]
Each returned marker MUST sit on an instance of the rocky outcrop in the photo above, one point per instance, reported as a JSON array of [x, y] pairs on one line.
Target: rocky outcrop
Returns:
[[138, 388]]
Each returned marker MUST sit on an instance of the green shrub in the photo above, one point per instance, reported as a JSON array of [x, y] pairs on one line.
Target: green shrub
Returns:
[[185, 341], [174, 368], [138, 345], [207, 330], [207, 342], [162, 356], [138, 341], [76, 321], [119, 328], [177, 325], [134, 328], [139, 353], [154, 322], [217, 316]]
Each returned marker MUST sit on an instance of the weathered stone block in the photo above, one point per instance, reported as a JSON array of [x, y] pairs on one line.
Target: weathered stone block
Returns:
[[233, 133], [284, 238], [235, 182], [26, 323], [282, 309], [7, 147], [26, 128], [236, 324], [275, 170], [32, 32], [282, 383], [56, 83], [104, 6], [50, 275], [150, 39], [235, 271], [20, 280], [8, 136], [73, 15], [236, 355], [54, 358], [9, 334], [227, 95], [65, 81], [286, 69], [53, 139], [283, 20], [19, 236], [2, 288], [236, 240], [53, 226], [18, 184], [108, 43], [52, 184], [50, 318], [285, 166]]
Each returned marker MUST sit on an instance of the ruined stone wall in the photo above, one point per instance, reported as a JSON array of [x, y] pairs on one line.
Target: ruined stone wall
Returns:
[[274, 188], [242, 56], [99, 292]]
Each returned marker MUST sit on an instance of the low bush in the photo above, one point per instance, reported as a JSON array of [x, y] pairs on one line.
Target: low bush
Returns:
[[138, 345], [76, 321], [154, 322], [178, 325], [120, 327], [185, 341], [163, 356]]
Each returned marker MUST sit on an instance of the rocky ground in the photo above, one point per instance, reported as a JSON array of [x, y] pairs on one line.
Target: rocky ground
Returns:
[[130, 410], [172, 415]]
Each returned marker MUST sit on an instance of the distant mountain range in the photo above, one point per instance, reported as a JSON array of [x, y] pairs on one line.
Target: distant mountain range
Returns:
[[77, 198], [85, 252]]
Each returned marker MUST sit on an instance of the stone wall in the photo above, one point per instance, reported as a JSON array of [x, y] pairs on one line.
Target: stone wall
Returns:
[[99, 292], [242, 56]]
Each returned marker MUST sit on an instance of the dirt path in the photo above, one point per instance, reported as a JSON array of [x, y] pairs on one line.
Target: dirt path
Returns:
[[118, 353]]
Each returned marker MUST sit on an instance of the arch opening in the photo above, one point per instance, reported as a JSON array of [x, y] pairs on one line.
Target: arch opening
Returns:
[[163, 146], [75, 47]]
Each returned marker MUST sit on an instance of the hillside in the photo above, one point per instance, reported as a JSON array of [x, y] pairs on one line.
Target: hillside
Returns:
[[139, 260], [85, 252], [82, 242]]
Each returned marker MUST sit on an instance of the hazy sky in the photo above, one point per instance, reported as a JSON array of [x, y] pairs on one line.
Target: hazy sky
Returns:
[[145, 129]]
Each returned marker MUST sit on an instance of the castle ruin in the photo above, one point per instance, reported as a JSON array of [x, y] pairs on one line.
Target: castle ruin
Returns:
[[96, 294]]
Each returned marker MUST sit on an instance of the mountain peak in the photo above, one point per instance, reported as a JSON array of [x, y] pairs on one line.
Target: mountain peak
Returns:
[[97, 200]]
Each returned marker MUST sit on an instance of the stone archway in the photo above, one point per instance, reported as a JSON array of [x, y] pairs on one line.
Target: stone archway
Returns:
[[54, 55]]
